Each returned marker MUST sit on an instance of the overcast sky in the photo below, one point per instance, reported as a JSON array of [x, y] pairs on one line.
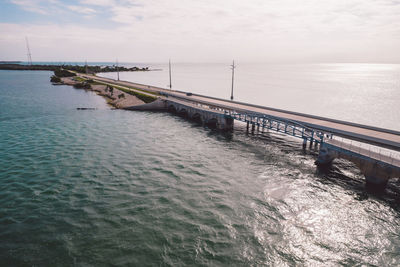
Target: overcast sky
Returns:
[[201, 30]]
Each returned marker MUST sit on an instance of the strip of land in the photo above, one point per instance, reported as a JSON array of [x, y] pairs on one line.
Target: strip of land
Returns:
[[114, 96], [91, 69], [118, 96]]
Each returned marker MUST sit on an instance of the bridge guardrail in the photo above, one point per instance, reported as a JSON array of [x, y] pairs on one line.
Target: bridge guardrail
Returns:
[[378, 153]]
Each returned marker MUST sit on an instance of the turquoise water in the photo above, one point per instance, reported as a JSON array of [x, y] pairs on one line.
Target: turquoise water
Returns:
[[112, 187]]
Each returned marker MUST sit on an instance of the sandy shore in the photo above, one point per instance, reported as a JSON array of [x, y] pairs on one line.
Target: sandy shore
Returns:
[[115, 98]]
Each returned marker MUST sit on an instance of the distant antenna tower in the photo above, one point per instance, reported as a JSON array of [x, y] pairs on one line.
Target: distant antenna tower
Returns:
[[29, 51], [117, 70]]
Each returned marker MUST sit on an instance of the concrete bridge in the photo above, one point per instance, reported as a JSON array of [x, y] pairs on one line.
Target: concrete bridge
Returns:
[[210, 117], [313, 130], [377, 167]]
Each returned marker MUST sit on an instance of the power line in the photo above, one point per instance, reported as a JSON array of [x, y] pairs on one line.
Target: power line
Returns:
[[233, 66], [170, 81]]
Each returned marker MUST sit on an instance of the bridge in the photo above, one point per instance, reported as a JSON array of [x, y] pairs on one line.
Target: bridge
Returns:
[[333, 137]]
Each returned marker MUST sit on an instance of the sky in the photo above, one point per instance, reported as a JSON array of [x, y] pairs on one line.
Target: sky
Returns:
[[201, 30]]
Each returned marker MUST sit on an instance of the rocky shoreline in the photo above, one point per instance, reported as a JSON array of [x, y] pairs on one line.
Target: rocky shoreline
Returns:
[[114, 96]]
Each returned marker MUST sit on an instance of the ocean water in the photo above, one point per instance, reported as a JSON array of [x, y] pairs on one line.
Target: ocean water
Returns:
[[362, 93], [120, 188]]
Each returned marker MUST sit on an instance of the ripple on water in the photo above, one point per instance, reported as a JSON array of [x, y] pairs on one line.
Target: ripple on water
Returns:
[[112, 187]]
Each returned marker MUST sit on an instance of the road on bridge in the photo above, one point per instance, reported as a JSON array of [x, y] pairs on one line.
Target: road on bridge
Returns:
[[363, 133]]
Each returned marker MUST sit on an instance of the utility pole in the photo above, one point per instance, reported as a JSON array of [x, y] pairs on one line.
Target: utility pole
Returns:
[[233, 66], [170, 81], [117, 70], [29, 51]]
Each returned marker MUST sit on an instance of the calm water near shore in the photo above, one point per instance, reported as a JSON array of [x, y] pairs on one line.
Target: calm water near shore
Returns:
[[111, 187]]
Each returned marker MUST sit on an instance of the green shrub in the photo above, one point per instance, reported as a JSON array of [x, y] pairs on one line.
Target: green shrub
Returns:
[[63, 73], [79, 79], [143, 97], [83, 85], [55, 79]]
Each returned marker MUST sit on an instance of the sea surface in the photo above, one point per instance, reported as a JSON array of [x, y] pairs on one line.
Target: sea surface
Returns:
[[362, 93], [121, 188]]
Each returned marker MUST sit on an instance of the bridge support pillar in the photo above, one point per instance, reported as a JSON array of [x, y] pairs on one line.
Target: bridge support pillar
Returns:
[[376, 175], [247, 126], [325, 156], [225, 123], [253, 126], [304, 144], [311, 143]]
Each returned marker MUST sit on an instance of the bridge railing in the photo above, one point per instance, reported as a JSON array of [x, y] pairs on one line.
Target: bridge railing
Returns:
[[278, 124], [286, 126], [367, 150]]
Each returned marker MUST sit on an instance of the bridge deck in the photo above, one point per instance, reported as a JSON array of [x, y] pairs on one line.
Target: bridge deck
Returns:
[[368, 153], [377, 136]]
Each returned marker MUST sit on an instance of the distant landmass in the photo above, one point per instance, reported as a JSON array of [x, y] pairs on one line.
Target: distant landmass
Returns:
[[9, 62], [80, 69]]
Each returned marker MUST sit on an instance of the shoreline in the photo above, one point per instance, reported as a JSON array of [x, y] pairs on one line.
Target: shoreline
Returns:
[[114, 96]]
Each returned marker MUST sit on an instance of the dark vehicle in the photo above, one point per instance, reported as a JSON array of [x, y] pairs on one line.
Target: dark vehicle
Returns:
[[189, 94], [163, 94]]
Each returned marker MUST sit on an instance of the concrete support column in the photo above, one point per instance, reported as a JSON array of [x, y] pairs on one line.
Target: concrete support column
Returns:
[[252, 127], [225, 123], [247, 126], [304, 144], [325, 156], [376, 176]]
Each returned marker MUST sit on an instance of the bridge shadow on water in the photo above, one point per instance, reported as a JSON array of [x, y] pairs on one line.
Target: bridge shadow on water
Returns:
[[347, 175], [275, 146], [342, 173]]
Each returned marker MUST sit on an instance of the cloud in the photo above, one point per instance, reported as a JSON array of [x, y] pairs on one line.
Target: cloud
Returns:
[[98, 2], [332, 30], [36, 6], [82, 10]]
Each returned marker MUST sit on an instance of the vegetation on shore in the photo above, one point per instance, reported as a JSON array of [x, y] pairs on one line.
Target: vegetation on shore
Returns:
[[63, 73], [82, 83], [55, 79], [80, 79], [143, 97]]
